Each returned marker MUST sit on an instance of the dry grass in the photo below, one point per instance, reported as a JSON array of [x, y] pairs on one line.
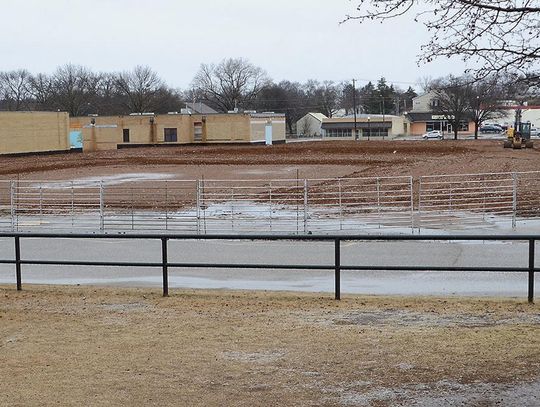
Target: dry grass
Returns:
[[99, 346]]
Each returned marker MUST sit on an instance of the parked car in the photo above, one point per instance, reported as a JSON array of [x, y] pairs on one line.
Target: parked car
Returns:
[[534, 131], [491, 128], [435, 134]]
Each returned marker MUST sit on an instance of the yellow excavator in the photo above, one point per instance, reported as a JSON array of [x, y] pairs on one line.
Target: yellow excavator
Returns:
[[519, 136]]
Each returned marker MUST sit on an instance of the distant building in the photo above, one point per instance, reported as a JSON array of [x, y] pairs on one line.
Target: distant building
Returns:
[[529, 113], [423, 118], [310, 125], [34, 132], [367, 126], [112, 132]]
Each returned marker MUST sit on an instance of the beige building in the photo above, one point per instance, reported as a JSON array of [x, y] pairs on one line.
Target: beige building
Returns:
[[423, 118], [112, 132], [32, 132], [367, 126]]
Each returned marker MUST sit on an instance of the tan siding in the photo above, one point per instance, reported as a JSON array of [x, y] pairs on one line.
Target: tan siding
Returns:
[[217, 128], [26, 132]]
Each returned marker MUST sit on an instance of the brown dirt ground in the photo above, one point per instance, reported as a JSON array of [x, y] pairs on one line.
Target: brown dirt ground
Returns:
[[99, 346], [320, 159]]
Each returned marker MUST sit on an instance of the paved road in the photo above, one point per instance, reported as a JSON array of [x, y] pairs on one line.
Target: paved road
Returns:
[[371, 253]]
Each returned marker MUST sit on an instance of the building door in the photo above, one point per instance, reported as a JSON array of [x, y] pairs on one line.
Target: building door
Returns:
[[197, 132], [268, 133]]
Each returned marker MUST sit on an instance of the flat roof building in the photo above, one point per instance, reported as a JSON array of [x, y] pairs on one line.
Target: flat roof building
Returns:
[[112, 132]]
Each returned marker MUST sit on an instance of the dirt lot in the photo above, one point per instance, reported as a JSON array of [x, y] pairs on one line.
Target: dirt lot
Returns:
[[318, 159], [98, 346]]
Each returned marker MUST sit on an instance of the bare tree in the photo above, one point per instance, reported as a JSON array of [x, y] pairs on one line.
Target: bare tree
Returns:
[[74, 89], [304, 127], [15, 89], [324, 96], [285, 97], [485, 101], [350, 96], [140, 88], [452, 100], [42, 90], [230, 84], [500, 35]]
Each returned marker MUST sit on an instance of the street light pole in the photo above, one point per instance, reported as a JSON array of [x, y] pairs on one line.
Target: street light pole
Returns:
[[369, 127]]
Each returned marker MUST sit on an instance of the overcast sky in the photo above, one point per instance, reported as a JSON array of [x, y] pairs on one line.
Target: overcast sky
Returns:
[[291, 39]]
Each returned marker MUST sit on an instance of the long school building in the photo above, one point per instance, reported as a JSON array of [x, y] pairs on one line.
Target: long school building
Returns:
[[112, 132]]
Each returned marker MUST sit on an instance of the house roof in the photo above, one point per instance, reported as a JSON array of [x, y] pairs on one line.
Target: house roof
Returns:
[[201, 108], [319, 116]]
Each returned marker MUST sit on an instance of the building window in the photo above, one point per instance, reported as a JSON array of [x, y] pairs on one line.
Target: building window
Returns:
[[125, 135], [375, 132], [171, 135], [342, 133], [464, 126]]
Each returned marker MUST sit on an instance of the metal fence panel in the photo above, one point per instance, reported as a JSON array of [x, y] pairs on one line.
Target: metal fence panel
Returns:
[[351, 204], [151, 205], [55, 205], [478, 200], [450, 202], [252, 206]]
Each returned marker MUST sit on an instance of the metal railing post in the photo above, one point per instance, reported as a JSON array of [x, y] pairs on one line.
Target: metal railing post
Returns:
[[337, 264], [514, 200], [166, 206], [379, 202], [531, 270], [270, 204], [419, 211], [18, 262], [411, 189], [12, 204], [340, 192], [305, 206], [101, 207], [198, 204], [165, 266]]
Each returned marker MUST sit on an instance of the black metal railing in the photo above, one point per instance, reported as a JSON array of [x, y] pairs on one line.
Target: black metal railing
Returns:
[[337, 267]]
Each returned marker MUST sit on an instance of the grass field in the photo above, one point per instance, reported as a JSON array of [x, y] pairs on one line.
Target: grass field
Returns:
[[101, 346]]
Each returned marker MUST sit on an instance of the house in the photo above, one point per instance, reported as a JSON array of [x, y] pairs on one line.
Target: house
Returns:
[[367, 126], [310, 125], [424, 117], [137, 130], [34, 132]]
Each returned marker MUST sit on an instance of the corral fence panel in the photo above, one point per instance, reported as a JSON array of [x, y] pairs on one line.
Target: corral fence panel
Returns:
[[150, 205], [478, 200], [60, 205], [348, 205]]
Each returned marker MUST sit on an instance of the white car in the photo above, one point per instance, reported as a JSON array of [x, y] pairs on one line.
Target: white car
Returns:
[[435, 134]]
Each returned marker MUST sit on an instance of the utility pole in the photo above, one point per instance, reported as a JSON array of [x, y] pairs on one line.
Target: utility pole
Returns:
[[354, 108]]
